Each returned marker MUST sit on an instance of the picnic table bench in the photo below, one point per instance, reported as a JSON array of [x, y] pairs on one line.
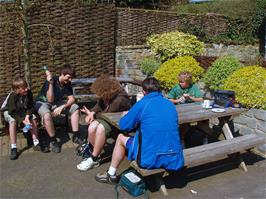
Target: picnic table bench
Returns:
[[229, 147], [79, 83]]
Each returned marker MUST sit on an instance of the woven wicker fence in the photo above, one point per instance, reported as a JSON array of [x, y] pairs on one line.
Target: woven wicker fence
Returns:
[[135, 25], [10, 47], [81, 35]]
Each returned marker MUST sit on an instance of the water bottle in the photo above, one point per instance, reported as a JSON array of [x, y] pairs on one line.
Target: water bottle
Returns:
[[26, 128], [45, 68]]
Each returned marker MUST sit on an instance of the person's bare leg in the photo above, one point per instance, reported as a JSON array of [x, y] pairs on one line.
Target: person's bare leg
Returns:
[[49, 124], [13, 132], [119, 152], [75, 121], [33, 131], [99, 141], [92, 131]]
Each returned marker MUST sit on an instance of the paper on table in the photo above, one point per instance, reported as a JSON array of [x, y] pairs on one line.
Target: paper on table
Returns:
[[218, 110]]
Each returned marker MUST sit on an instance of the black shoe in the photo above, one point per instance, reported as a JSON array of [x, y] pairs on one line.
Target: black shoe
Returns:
[[76, 139], [37, 147], [106, 178], [45, 149], [55, 147], [13, 154]]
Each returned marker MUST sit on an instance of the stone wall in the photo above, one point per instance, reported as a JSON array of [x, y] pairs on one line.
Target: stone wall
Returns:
[[128, 57], [247, 53], [253, 121]]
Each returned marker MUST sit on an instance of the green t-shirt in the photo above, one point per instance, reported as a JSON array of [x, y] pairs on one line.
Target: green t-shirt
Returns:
[[177, 92]]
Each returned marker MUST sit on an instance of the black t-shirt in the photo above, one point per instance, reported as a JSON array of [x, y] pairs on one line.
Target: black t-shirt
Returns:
[[60, 92]]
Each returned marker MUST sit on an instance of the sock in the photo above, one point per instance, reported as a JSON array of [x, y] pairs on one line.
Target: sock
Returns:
[[111, 171], [13, 146], [35, 142], [76, 134], [94, 158]]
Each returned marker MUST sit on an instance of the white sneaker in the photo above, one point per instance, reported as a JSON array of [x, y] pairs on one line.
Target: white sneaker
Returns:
[[87, 164]]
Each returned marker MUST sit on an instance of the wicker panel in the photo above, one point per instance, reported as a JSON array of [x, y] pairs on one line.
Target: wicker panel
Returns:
[[135, 25], [80, 35], [10, 47]]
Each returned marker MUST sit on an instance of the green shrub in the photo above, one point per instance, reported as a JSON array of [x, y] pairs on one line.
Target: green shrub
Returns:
[[220, 69], [169, 70], [149, 65], [243, 19], [249, 83], [172, 44]]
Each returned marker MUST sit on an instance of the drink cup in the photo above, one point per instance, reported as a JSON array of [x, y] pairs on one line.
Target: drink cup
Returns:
[[206, 104], [140, 95]]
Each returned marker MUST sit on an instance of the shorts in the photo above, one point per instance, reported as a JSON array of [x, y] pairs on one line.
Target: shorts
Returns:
[[43, 107], [107, 127], [9, 119], [129, 143]]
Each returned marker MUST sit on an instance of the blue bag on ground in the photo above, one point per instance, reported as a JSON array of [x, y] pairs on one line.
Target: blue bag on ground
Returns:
[[132, 182]]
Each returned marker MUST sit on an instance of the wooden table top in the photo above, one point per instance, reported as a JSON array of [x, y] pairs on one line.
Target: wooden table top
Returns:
[[187, 113]]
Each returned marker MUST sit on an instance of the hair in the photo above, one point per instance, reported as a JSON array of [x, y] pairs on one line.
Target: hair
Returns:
[[106, 87], [19, 83], [185, 76], [151, 84], [67, 70]]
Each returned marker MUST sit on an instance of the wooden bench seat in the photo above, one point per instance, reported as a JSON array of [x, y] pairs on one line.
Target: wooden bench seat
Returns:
[[203, 154]]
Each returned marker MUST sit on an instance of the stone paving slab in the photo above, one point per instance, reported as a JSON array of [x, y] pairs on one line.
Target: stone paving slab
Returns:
[[43, 176]]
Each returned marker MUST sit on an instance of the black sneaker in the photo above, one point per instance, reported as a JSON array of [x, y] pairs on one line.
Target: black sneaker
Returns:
[[13, 154], [76, 139], [45, 149], [55, 147], [106, 178], [37, 147]]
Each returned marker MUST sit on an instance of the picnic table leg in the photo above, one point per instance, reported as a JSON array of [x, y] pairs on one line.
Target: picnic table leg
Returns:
[[159, 182], [228, 135]]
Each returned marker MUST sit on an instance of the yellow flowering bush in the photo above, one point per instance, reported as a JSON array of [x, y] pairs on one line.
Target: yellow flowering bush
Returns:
[[172, 44], [249, 83]]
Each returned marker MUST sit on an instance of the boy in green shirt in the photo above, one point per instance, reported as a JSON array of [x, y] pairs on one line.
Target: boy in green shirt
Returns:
[[185, 91]]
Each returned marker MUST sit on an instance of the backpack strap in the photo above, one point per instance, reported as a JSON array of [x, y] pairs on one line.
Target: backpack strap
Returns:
[[117, 189]]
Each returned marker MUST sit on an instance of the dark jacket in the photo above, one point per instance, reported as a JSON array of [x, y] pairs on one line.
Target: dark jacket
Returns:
[[19, 106], [119, 102]]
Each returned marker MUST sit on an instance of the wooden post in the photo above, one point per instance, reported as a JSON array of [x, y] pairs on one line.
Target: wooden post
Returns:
[[26, 55]]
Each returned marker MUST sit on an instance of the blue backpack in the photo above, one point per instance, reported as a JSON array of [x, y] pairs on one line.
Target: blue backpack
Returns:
[[132, 182]]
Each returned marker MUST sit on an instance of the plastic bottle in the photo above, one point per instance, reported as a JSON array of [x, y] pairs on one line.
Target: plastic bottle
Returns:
[[26, 128]]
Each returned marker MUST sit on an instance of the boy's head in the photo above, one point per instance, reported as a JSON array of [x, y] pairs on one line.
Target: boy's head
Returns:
[[66, 74], [20, 86], [151, 84], [185, 79]]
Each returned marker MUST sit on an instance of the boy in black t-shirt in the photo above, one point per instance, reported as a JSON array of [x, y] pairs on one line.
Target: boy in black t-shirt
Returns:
[[56, 97]]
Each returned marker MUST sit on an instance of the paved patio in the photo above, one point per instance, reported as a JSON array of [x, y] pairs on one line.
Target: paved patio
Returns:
[[50, 175]]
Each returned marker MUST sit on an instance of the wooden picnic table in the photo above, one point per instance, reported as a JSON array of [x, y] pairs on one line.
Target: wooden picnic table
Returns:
[[195, 156], [191, 114], [187, 113]]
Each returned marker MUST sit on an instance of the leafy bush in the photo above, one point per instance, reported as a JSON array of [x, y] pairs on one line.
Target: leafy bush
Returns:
[[218, 72], [168, 72], [149, 65], [243, 19], [249, 83], [172, 44]]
